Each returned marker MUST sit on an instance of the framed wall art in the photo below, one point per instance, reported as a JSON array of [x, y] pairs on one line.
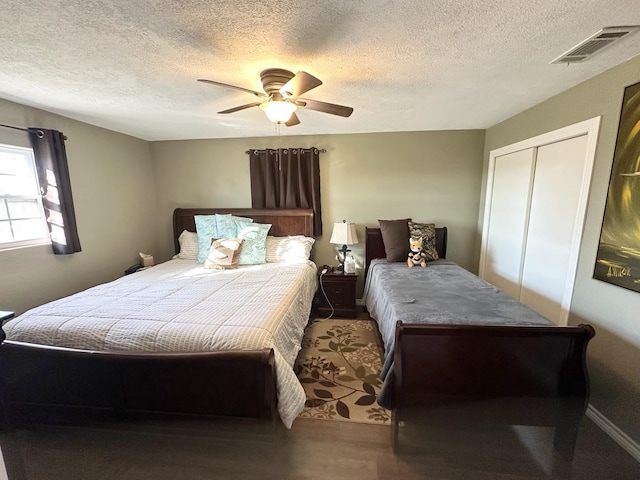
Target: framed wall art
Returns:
[[618, 258]]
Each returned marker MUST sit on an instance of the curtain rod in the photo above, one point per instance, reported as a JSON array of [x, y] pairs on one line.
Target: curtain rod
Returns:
[[15, 128], [321, 150], [21, 128]]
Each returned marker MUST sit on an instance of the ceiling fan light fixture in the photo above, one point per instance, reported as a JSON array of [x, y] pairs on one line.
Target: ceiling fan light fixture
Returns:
[[278, 111], [281, 97]]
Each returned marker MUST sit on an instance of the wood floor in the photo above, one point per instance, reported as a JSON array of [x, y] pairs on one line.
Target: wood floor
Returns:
[[312, 449]]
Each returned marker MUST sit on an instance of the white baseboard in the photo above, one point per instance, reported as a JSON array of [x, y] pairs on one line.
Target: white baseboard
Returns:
[[621, 438]]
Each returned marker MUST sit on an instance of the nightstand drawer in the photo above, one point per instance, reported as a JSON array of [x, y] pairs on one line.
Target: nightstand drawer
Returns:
[[336, 292], [338, 297]]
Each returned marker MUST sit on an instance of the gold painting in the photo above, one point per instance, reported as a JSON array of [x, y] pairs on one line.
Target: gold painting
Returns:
[[618, 259]]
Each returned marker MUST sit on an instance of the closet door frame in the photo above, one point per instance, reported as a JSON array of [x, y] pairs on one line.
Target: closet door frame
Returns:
[[587, 127]]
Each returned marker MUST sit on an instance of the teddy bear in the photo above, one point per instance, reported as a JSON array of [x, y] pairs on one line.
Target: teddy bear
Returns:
[[416, 255]]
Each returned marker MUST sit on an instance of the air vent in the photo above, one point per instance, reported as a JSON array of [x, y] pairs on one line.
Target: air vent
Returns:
[[595, 43]]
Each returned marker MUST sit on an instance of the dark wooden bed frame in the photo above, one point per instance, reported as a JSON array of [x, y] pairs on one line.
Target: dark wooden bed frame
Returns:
[[39, 383], [465, 375]]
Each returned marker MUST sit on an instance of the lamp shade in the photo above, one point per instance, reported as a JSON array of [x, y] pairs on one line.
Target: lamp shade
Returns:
[[278, 111], [344, 234]]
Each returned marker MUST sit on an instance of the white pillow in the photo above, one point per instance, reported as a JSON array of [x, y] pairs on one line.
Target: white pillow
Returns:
[[293, 249], [188, 245]]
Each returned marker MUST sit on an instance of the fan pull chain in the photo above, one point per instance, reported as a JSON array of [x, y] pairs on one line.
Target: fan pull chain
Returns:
[[278, 159]]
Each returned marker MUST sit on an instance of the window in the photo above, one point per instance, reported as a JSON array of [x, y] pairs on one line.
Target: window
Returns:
[[22, 220]]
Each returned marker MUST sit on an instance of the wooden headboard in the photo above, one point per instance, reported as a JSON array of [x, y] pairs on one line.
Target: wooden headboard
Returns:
[[375, 245], [284, 221]]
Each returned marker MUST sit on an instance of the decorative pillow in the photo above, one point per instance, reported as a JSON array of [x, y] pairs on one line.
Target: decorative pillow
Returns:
[[188, 245], [215, 226], [292, 249], [426, 231], [395, 235], [254, 247], [224, 253], [206, 228], [227, 224]]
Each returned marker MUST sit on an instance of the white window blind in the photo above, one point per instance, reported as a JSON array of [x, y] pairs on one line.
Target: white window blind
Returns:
[[22, 219]]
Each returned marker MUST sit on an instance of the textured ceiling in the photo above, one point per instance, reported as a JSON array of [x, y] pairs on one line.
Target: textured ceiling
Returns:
[[131, 65]]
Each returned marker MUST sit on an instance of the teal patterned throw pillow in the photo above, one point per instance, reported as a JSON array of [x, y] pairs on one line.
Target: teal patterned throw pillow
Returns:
[[215, 226], [206, 228], [254, 246], [227, 224]]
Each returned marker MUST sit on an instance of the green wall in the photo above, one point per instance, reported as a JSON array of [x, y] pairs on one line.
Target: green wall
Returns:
[[614, 354], [114, 199], [428, 176]]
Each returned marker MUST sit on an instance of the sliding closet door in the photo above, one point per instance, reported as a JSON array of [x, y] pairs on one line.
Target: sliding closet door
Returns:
[[554, 221], [506, 231], [536, 202]]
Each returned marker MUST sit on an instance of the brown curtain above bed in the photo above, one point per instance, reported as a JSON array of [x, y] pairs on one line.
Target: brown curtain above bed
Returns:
[[287, 178], [55, 184]]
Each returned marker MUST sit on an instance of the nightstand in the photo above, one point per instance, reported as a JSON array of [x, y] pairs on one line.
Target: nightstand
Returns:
[[340, 290], [134, 269]]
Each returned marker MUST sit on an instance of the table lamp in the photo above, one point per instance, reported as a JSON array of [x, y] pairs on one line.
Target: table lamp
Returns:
[[343, 234]]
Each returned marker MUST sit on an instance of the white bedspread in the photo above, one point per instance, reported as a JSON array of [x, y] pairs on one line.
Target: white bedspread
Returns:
[[179, 306]]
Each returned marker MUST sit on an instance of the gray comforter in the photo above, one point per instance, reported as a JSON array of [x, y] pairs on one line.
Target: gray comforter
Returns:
[[441, 293]]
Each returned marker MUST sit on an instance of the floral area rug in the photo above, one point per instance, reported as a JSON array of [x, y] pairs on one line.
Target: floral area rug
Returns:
[[339, 367]]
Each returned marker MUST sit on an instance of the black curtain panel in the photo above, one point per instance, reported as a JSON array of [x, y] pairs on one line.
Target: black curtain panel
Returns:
[[55, 186], [287, 178]]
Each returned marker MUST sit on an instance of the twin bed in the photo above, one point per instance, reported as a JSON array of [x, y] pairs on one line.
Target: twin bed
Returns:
[[182, 340], [457, 349]]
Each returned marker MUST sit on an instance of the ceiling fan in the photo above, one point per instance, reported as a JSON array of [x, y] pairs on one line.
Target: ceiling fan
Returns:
[[281, 96]]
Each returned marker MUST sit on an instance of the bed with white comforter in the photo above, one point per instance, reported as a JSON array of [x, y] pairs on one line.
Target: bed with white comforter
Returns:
[[179, 306]]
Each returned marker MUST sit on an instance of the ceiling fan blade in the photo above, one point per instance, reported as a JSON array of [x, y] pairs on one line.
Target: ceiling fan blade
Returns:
[[293, 120], [211, 82], [241, 107], [325, 107], [301, 83]]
